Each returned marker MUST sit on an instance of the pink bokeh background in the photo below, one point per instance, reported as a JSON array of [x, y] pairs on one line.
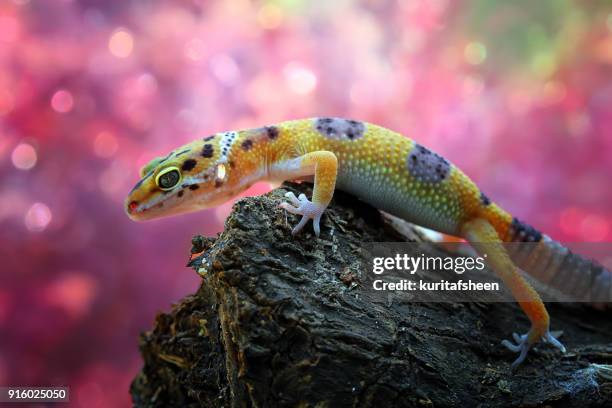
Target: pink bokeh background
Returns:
[[517, 94]]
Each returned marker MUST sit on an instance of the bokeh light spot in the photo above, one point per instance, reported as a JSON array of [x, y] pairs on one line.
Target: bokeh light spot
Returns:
[[38, 217], [472, 86], [554, 92], [24, 156], [62, 101], [300, 80], [121, 43], [147, 85], [74, 293], [594, 228], [570, 219], [269, 16], [105, 145], [544, 65], [225, 69], [475, 53], [194, 49]]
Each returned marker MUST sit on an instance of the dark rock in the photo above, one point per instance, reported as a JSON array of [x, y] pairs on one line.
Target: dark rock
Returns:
[[282, 321]]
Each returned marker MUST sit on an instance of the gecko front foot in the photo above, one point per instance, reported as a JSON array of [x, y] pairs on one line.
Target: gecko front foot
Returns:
[[525, 341], [307, 209]]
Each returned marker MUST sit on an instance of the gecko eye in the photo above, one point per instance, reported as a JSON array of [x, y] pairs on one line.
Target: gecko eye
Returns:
[[220, 174], [168, 178]]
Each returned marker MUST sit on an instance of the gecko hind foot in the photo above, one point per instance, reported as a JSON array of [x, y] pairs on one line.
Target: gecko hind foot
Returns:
[[523, 344], [307, 209]]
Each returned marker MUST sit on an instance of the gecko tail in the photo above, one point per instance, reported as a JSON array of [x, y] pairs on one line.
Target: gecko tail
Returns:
[[556, 266]]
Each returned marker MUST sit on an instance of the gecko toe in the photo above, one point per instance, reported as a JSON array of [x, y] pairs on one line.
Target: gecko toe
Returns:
[[518, 338], [315, 225], [522, 347], [300, 225], [551, 339], [521, 357], [524, 342], [303, 206], [289, 208], [294, 200], [511, 346]]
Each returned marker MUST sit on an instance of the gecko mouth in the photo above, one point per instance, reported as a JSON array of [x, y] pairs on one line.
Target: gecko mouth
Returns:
[[143, 211]]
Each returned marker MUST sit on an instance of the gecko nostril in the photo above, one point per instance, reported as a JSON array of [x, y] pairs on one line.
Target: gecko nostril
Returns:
[[132, 206]]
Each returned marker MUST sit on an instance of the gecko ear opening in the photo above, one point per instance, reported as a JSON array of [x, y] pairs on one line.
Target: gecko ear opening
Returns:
[[220, 174]]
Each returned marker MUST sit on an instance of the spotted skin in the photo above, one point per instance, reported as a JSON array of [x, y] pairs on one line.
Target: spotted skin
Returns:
[[427, 166], [188, 164], [208, 150], [340, 129], [382, 167]]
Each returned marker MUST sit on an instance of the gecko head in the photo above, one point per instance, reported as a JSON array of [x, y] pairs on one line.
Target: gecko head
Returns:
[[191, 178]]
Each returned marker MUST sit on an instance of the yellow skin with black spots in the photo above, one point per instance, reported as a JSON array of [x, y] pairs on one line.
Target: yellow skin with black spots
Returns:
[[383, 168]]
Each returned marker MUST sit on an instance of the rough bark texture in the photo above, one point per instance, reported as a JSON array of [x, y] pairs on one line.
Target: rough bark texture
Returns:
[[283, 321]]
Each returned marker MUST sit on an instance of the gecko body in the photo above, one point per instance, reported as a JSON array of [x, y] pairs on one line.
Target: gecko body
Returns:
[[388, 170]]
